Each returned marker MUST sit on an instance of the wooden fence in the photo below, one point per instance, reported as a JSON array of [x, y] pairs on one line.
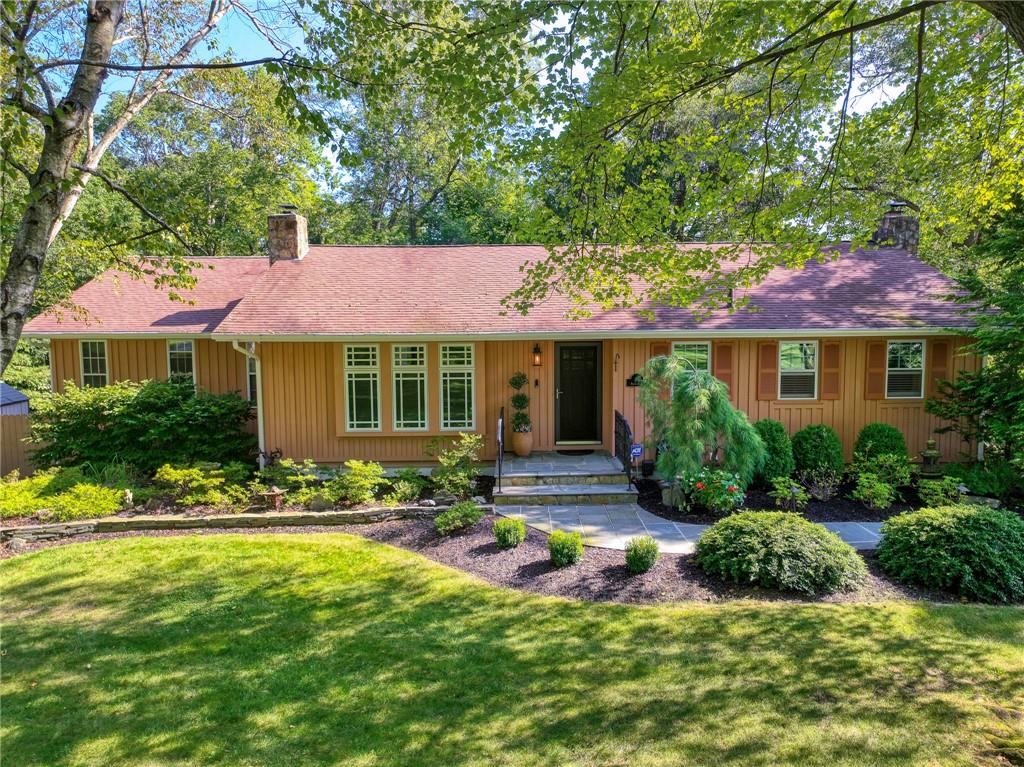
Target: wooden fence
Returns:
[[14, 453]]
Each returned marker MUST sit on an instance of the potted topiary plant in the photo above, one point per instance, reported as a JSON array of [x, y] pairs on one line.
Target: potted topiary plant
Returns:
[[522, 428]]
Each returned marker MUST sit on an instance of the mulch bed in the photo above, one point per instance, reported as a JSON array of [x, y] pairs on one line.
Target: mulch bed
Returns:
[[600, 577], [839, 509]]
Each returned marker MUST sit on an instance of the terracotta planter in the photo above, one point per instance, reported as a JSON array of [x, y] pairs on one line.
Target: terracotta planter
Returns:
[[522, 443]]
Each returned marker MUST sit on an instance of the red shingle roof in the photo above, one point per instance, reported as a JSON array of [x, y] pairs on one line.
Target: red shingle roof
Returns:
[[116, 303], [456, 290], [351, 290]]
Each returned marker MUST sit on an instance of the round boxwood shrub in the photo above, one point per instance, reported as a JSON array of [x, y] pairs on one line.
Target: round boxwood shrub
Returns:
[[779, 550], [509, 533], [971, 551], [565, 548], [877, 439], [641, 554], [818, 447], [779, 447]]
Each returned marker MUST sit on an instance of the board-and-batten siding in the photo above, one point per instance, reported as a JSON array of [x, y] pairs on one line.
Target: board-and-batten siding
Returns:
[[304, 399], [847, 414], [219, 368]]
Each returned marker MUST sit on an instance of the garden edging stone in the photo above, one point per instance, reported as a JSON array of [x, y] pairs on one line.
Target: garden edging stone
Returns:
[[55, 530]]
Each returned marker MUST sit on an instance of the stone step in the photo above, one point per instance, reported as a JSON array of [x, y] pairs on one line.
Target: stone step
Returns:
[[565, 495], [520, 479]]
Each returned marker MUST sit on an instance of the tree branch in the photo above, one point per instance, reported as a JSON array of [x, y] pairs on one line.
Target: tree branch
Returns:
[[917, 83], [168, 66], [116, 187]]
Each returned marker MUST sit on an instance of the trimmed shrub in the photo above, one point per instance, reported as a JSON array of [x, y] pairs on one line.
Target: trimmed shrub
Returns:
[[892, 468], [880, 439], [203, 485], [641, 554], [60, 494], [817, 446], [458, 467], [789, 495], [873, 491], [509, 533], [971, 551], [86, 502], [357, 485], [458, 517], [565, 548], [406, 486], [779, 461], [779, 550], [938, 492], [144, 425]]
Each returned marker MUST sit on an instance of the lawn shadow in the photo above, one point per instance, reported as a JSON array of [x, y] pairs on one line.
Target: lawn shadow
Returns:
[[313, 650]]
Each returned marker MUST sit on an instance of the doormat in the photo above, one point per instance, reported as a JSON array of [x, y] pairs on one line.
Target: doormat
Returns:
[[575, 452]]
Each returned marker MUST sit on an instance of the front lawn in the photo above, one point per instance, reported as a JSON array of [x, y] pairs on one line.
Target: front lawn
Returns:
[[331, 649]]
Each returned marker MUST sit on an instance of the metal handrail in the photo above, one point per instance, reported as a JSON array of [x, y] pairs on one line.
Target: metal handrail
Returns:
[[624, 444], [501, 448]]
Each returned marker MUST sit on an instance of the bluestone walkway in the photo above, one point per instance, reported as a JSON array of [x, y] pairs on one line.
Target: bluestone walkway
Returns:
[[611, 526]]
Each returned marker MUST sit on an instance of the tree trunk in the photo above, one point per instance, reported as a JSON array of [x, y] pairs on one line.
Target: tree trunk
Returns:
[[1011, 14], [49, 182]]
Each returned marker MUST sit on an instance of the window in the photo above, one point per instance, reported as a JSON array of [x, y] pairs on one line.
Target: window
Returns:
[[180, 360], [695, 355], [250, 369], [362, 388], [409, 374], [94, 363], [798, 370], [904, 369], [457, 386]]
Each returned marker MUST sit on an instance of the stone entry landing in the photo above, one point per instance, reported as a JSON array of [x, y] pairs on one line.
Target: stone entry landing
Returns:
[[610, 526], [590, 495]]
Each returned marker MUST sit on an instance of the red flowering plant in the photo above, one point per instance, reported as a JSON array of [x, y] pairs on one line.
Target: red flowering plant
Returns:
[[713, 489]]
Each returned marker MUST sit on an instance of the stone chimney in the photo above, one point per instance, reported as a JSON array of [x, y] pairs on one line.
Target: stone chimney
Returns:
[[898, 227], [287, 239]]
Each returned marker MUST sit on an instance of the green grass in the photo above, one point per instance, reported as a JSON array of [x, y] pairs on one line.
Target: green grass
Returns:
[[329, 649]]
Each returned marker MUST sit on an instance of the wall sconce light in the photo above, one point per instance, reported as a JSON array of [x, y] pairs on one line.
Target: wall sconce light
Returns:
[[536, 355]]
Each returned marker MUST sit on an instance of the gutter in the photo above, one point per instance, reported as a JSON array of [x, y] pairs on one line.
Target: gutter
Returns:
[[249, 350]]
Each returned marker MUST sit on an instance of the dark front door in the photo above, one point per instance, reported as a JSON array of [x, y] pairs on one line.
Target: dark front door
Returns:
[[578, 393]]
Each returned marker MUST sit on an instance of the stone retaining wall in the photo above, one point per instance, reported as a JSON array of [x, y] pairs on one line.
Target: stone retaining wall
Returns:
[[182, 522]]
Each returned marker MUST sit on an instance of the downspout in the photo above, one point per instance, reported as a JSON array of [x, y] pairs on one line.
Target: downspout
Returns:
[[249, 350]]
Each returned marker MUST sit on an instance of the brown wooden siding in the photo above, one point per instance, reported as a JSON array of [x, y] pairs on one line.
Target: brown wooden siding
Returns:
[[847, 414], [219, 368], [304, 398]]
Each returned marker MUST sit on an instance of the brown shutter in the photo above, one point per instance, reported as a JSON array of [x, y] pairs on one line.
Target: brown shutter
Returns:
[[939, 365], [661, 349], [723, 364], [767, 369], [874, 379], [831, 375]]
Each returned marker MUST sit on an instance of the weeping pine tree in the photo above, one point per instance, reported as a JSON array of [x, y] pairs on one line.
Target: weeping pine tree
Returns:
[[694, 424]]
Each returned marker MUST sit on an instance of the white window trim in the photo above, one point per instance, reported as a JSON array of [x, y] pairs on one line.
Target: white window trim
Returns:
[[252, 378], [181, 341], [817, 369], [360, 369], [81, 361], [423, 370], [442, 369], [924, 365], [695, 343]]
